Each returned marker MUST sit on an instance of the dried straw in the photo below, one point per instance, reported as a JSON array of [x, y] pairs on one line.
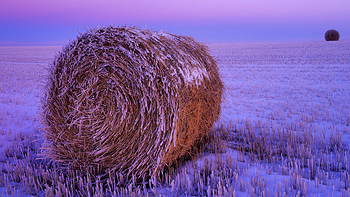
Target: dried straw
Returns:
[[129, 100]]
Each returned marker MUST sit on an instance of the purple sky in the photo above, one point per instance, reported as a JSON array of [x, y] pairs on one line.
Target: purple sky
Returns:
[[48, 22]]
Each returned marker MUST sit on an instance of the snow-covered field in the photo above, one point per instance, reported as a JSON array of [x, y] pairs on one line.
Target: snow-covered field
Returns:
[[285, 122]]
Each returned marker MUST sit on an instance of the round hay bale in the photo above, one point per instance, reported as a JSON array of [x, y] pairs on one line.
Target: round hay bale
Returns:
[[332, 35], [129, 100]]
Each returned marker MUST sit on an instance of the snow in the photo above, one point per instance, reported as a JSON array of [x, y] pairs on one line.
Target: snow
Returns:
[[300, 85], [194, 75]]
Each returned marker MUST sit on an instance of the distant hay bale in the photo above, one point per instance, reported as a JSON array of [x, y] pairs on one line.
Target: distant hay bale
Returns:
[[332, 35], [129, 100]]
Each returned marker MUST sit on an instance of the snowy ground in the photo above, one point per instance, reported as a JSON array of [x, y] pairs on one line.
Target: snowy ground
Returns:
[[297, 90], [302, 86]]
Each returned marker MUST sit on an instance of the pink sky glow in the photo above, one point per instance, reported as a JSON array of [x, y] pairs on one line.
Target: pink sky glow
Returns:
[[159, 13]]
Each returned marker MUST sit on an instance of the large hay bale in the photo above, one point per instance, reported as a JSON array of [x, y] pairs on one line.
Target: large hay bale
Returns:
[[129, 100], [332, 35]]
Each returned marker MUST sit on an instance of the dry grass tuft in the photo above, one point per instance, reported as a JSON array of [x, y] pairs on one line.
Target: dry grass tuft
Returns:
[[129, 100]]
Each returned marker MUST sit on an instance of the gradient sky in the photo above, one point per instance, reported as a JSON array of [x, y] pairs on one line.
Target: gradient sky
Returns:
[[54, 22]]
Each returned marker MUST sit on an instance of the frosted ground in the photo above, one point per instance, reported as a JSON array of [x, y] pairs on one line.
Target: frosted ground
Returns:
[[285, 118]]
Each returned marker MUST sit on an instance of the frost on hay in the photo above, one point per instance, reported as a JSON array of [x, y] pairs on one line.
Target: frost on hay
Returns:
[[129, 100]]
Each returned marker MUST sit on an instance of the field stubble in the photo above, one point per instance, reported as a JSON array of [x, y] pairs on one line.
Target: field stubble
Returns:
[[284, 128]]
